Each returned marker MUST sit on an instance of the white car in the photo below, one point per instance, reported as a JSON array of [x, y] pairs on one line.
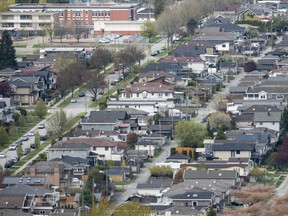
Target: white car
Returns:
[[24, 138], [2, 155], [73, 100], [41, 126], [12, 147], [104, 40], [31, 134]]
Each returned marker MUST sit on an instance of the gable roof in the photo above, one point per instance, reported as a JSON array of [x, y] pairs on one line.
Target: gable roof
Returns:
[[179, 157], [27, 180], [71, 160], [84, 142], [149, 186], [233, 147], [105, 117], [151, 87], [210, 174], [267, 116], [258, 108], [180, 210], [193, 194], [21, 189]]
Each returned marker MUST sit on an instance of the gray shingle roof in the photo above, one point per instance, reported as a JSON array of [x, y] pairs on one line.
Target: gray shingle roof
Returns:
[[238, 89], [210, 174], [193, 195], [149, 186], [233, 147], [105, 116], [179, 157], [181, 211], [27, 180], [20, 189], [267, 117]]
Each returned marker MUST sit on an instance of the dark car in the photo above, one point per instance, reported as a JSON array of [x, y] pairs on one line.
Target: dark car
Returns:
[[43, 138], [9, 164], [15, 159], [33, 146], [26, 151], [82, 94], [92, 98]]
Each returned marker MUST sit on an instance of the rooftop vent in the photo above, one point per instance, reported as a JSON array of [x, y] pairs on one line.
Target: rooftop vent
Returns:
[[195, 195]]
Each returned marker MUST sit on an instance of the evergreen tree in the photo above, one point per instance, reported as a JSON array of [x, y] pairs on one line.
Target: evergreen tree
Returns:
[[4, 136], [8, 53], [40, 109], [284, 121]]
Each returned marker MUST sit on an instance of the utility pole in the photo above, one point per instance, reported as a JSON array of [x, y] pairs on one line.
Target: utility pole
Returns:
[[93, 191]]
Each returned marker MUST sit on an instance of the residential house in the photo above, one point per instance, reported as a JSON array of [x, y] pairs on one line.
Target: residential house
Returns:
[[151, 97], [93, 149], [269, 120], [107, 121], [181, 158], [149, 189], [226, 176], [194, 197], [152, 75], [146, 145], [24, 91], [36, 182], [254, 11], [118, 174], [162, 130], [232, 148], [242, 165], [6, 110], [57, 173], [28, 199], [177, 210], [7, 73], [165, 182], [174, 68]]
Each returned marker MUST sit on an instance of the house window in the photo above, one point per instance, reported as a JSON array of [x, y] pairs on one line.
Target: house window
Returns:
[[279, 97], [238, 152], [261, 123], [77, 13], [94, 148], [166, 94], [262, 96], [232, 153], [107, 13], [194, 203], [86, 13], [273, 123], [17, 98], [94, 13], [137, 94], [152, 94], [26, 17], [7, 17], [223, 45], [100, 13], [160, 95], [5, 25], [106, 148], [23, 25], [61, 13]]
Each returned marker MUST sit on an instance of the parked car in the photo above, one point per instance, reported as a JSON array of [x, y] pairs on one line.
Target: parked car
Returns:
[[15, 159], [2, 155], [32, 146], [82, 94], [41, 126], [26, 151], [73, 100], [12, 147], [92, 98], [24, 138], [9, 164], [17, 143], [31, 133], [155, 53], [104, 40], [43, 138]]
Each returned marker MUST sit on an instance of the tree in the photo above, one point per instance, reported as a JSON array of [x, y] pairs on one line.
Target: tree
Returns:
[[4, 136], [190, 133], [161, 171], [220, 135], [26, 1], [129, 56], [1, 170], [7, 52], [103, 208], [87, 199], [62, 61], [37, 141], [4, 5], [219, 121], [179, 176], [220, 102], [191, 25], [19, 151], [101, 58], [5, 88], [280, 158], [159, 6], [60, 31], [211, 212], [250, 66], [40, 109], [148, 30], [132, 209], [22, 111], [257, 173], [77, 29], [57, 124], [48, 29], [168, 23], [71, 76], [96, 180], [132, 139], [95, 82], [284, 121]]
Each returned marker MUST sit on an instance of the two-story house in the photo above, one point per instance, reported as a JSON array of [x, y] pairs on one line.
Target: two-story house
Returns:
[[151, 97], [6, 110], [107, 121], [24, 92]]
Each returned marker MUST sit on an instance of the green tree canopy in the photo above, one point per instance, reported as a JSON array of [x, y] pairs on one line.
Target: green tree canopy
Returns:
[[132, 209], [40, 108], [190, 133], [19, 151], [148, 30], [159, 6], [37, 140], [57, 124], [4, 136], [7, 52]]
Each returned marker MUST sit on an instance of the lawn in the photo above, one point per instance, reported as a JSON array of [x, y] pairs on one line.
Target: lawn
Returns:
[[41, 45], [20, 45], [154, 39], [67, 100], [280, 180]]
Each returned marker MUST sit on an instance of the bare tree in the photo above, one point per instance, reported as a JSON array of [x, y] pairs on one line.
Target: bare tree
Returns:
[[169, 23], [220, 102], [48, 28], [101, 58], [95, 82], [57, 124], [77, 29], [219, 121], [60, 31]]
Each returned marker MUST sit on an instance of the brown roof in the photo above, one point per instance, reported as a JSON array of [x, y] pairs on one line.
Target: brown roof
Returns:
[[93, 141], [12, 201]]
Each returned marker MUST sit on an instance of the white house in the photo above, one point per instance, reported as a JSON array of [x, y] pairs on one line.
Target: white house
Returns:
[[146, 145], [270, 120], [152, 189], [151, 97]]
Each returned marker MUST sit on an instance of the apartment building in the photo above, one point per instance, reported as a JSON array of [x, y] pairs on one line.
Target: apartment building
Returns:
[[28, 23], [86, 13]]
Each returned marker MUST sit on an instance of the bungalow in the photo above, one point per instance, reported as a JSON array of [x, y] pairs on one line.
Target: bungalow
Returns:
[[149, 189]]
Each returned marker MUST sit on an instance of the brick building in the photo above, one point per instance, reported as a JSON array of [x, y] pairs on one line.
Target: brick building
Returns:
[[87, 13]]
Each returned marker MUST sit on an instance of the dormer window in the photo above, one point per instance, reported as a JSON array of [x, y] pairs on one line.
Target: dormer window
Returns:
[[144, 94]]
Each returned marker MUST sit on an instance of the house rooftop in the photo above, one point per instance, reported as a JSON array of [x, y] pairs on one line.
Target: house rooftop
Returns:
[[149, 186], [21, 189], [233, 146], [105, 117], [210, 174], [178, 156], [26, 180]]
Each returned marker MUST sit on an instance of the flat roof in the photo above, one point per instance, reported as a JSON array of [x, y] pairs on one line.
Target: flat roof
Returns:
[[29, 12]]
